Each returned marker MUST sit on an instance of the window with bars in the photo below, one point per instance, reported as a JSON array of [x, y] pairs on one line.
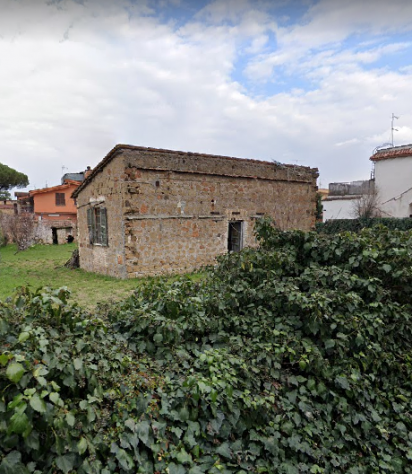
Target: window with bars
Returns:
[[60, 199], [97, 225]]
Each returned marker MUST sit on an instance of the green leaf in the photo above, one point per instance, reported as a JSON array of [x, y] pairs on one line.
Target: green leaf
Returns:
[[11, 464], [70, 419], [66, 463], [125, 460], [19, 423], [342, 382], [38, 404], [142, 430], [24, 336], [78, 363], [158, 338], [55, 398], [82, 446], [224, 450], [183, 457], [176, 469], [15, 372], [4, 359]]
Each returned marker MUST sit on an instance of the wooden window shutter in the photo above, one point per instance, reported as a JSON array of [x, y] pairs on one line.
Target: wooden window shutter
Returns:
[[103, 226], [60, 199], [90, 224]]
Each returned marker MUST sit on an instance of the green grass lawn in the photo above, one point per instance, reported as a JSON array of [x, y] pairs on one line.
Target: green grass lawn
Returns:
[[43, 265]]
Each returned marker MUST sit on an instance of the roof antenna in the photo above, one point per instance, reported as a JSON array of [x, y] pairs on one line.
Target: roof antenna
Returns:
[[393, 129]]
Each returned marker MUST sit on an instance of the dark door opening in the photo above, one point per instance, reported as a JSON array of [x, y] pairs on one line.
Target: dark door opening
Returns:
[[54, 236], [234, 241]]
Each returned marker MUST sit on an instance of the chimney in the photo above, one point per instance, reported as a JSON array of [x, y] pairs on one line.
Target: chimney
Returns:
[[88, 172]]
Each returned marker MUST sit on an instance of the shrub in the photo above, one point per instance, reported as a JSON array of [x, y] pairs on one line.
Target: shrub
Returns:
[[292, 358], [335, 226]]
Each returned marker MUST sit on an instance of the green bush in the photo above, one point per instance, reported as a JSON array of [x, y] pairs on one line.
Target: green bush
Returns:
[[335, 226], [292, 358]]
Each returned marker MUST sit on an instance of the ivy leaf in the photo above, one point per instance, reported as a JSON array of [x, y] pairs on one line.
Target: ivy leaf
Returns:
[[24, 336], [142, 430], [4, 358], [224, 450], [78, 363], [55, 398], [342, 382], [70, 419], [125, 460], [176, 469], [19, 423], [386, 268], [11, 464], [37, 403], [66, 463], [15, 372], [183, 457], [82, 446]]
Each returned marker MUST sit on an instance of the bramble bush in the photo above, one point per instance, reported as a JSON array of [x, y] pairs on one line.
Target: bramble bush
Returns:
[[292, 358]]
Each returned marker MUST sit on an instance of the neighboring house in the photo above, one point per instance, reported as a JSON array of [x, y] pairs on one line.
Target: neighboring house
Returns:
[[391, 184], [393, 180], [146, 211], [340, 202], [56, 212]]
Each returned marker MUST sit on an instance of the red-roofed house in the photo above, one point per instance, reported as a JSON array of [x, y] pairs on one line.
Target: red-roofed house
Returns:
[[56, 209]]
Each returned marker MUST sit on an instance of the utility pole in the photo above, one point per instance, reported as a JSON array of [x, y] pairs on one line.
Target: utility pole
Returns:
[[393, 129]]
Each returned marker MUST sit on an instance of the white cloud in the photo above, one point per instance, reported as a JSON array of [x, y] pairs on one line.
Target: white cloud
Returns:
[[82, 77]]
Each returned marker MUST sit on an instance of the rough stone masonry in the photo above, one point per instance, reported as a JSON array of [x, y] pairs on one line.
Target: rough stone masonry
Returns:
[[146, 211]]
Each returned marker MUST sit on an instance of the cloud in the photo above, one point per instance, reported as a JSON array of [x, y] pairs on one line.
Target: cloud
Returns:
[[81, 77]]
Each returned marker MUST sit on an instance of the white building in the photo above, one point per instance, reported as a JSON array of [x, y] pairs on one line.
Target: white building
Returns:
[[393, 180], [342, 198], [392, 184]]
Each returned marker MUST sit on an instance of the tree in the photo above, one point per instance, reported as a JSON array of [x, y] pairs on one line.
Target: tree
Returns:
[[10, 178], [367, 206], [5, 196]]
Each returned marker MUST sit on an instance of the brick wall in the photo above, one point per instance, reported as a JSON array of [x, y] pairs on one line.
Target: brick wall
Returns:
[[169, 212]]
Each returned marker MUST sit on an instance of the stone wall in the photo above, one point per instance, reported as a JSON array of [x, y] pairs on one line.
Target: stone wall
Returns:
[[170, 213], [105, 190], [44, 232]]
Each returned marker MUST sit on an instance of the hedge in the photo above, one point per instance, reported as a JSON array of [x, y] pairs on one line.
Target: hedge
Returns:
[[335, 226]]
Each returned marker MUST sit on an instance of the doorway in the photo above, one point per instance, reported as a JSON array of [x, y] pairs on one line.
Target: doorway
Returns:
[[54, 236], [235, 237]]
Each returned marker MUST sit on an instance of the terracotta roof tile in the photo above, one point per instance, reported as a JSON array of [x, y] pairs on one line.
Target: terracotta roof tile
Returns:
[[393, 152]]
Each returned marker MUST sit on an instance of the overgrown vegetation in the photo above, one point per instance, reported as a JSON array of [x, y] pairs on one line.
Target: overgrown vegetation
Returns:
[[335, 226], [289, 359], [43, 265]]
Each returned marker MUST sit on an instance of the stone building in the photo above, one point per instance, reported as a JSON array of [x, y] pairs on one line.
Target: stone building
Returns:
[[146, 211]]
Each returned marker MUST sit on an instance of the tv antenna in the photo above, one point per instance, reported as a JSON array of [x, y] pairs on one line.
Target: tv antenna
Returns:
[[65, 168], [392, 127]]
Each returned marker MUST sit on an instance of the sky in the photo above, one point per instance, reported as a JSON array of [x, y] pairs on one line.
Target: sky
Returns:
[[310, 82]]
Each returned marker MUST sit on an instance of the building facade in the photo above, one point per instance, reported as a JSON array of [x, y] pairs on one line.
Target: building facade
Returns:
[[55, 212], [341, 202], [393, 180], [390, 187], [146, 211]]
